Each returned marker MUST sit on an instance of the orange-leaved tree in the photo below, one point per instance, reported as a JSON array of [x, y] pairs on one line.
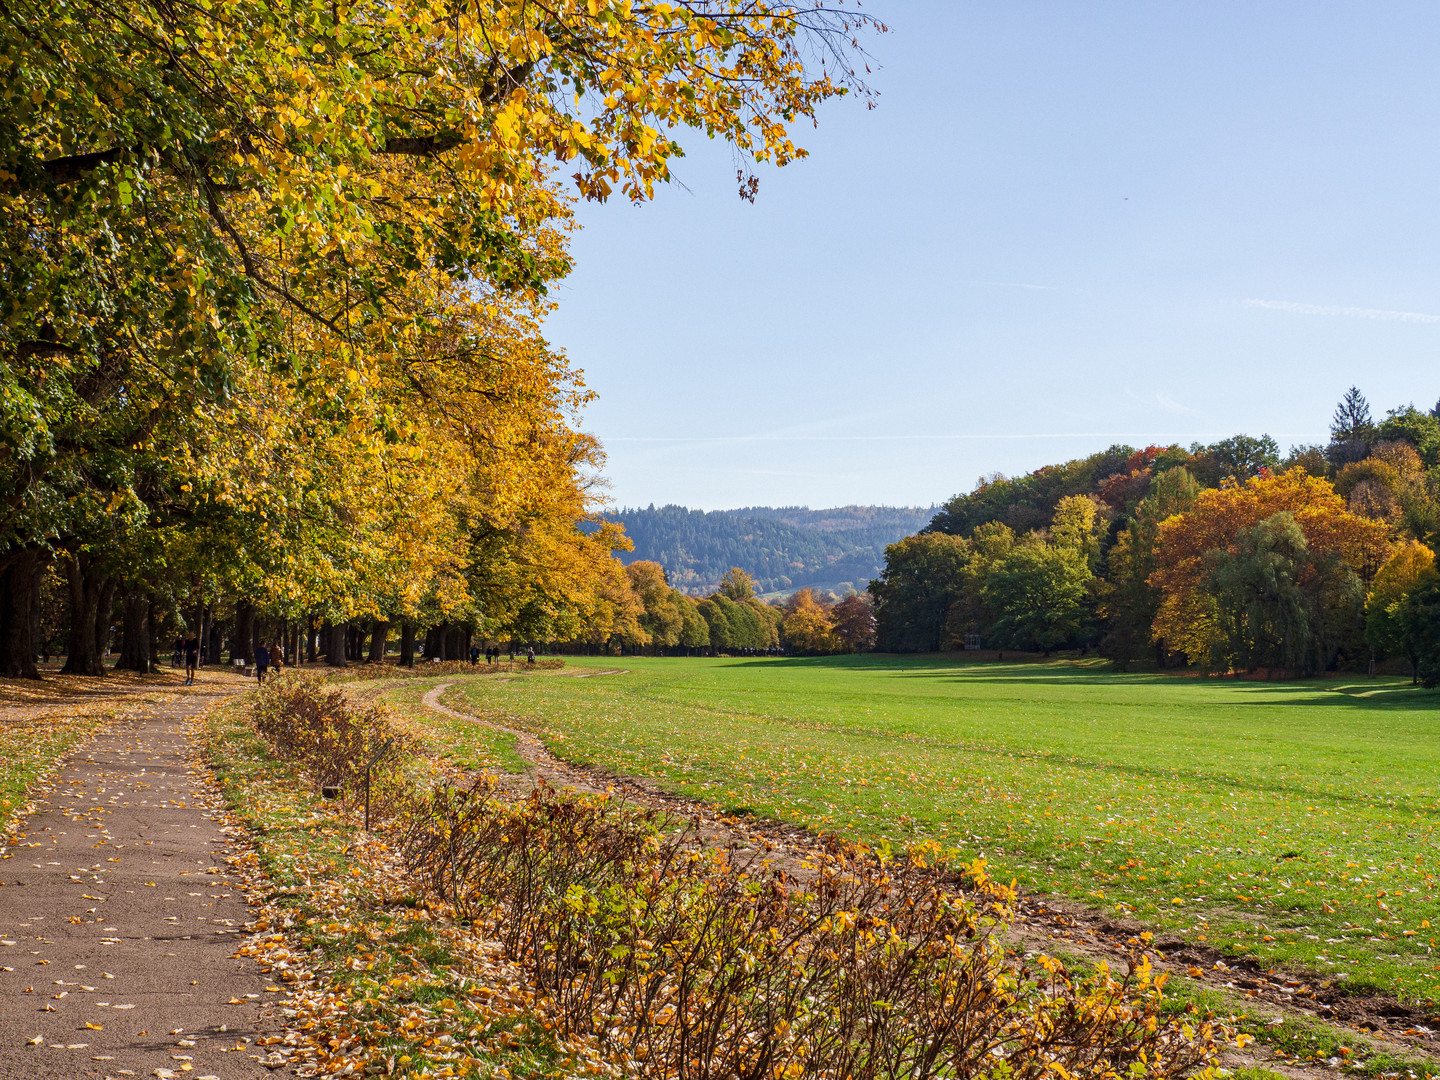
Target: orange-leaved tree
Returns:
[[808, 626], [1189, 617]]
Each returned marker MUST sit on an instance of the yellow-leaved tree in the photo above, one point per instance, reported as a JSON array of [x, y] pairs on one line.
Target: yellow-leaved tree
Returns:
[[279, 269]]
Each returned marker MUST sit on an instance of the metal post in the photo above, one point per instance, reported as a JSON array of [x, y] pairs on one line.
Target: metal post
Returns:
[[368, 766]]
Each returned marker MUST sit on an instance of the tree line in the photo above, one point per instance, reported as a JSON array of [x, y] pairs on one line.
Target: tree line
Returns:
[[656, 618], [272, 281], [1224, 556]]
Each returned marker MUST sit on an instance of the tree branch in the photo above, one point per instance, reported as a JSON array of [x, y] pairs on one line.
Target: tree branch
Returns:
[[422, 145]]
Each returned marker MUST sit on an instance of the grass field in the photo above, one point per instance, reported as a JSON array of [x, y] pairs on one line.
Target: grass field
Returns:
[[1292, 822]]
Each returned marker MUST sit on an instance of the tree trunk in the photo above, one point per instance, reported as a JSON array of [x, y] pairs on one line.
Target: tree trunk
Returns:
[[104, 618], [134, 632], [243, 646], [378, 637], [312, 642], [199, 626], [154, 618], [18, 610], [407, 644], [86, 586], [339, 638]]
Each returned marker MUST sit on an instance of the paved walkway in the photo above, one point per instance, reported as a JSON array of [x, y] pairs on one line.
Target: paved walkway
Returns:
[[117, 924]]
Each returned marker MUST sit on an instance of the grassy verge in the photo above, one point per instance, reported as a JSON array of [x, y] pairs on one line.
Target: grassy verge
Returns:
[[382, 984], [447, 741]]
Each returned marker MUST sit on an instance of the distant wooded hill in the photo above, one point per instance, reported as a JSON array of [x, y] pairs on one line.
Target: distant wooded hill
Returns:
[[783, 548]]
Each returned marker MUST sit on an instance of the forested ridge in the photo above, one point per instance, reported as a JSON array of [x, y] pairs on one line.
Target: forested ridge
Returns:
[[1225, 556], [782, 548]]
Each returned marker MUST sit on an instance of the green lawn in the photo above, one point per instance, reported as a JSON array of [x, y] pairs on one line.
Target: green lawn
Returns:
[[1290, 821]]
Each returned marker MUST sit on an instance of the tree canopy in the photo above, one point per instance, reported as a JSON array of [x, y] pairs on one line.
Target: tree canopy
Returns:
[[273, 279]]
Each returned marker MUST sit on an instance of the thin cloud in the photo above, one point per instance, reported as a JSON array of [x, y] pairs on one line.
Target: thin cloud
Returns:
[[1168, 436], [1163, 401], [1169, 404], [1375, 314]]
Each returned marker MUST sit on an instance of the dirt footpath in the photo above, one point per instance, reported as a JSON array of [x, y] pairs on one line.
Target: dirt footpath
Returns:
[[117, 921]]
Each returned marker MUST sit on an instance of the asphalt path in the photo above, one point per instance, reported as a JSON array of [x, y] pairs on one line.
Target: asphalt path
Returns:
[[118, 924]]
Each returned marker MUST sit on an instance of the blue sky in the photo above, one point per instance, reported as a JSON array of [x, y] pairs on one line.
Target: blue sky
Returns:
[[1064, 225]]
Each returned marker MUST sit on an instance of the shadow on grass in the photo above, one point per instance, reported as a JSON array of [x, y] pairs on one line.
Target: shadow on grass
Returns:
[[1368, 692]]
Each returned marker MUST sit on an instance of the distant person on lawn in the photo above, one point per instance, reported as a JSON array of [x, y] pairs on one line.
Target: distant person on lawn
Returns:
[[262, 662], [192, 658], [530, 655], [474, 655]]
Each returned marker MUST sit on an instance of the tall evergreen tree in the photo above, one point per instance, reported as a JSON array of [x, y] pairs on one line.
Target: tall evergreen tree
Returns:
[[1352, 417]]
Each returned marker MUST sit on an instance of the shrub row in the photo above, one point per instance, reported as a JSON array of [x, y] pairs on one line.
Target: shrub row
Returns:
[[304, 718], [709, 964]]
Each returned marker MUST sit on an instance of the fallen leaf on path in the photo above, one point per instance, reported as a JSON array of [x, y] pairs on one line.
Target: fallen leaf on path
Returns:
[[94, 1027]]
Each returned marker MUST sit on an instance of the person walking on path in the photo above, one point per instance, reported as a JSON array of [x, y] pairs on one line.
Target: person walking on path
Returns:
[[277, 655], [192, 658], [179, 656], [262, 662]]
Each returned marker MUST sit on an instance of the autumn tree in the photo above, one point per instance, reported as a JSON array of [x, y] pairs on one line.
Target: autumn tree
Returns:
[[808, 628], [1128, 601], [1076, 529], [1188, 617], [854, 619], [662, 620], [1410, 565], [1420, 430], [737, 584], [1277, 602]]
